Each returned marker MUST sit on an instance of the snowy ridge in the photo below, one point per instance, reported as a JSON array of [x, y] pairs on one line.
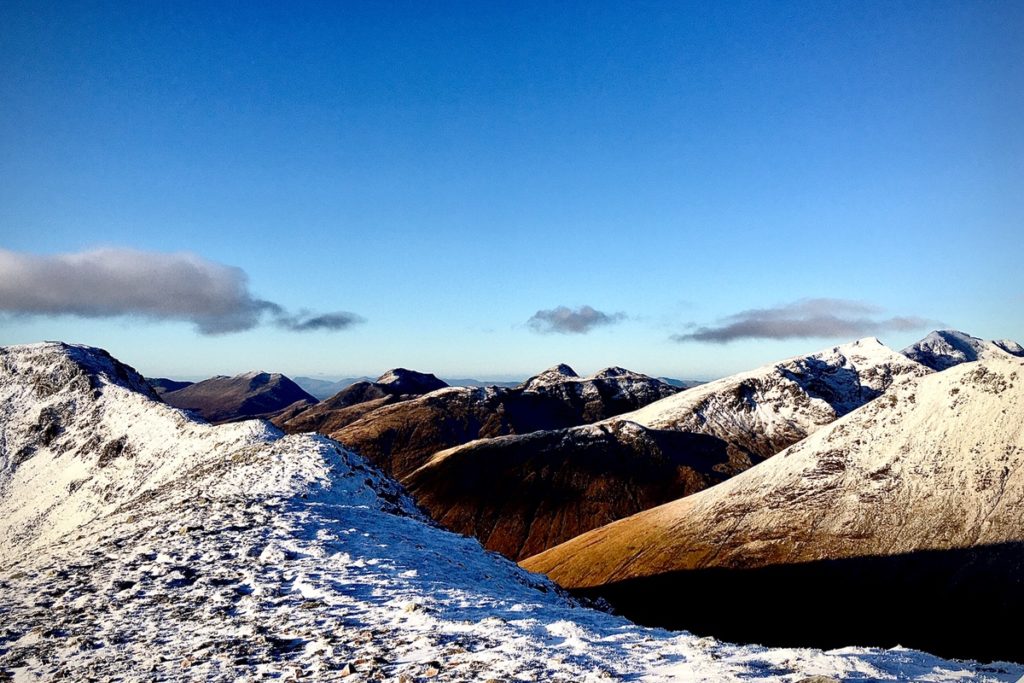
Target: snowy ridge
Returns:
[[776, 405], [1010, 346], [918, 496], [937, 463], [233, 553], [563, 375], [943, 349], [613, 383], [552, 376], [82, 435]]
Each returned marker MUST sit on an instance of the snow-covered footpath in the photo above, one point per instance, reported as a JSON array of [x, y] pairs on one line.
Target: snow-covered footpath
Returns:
[[139, 544]]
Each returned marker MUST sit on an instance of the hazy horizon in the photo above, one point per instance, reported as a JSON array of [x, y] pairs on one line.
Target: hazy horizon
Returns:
[[486, 376]]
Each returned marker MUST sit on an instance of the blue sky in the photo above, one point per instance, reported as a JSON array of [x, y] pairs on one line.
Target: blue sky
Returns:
[[447, 170]]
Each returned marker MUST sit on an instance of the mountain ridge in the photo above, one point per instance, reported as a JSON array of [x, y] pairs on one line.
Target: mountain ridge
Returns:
[[401, 437], [943, 349], [251, 394], [523, 493], [235, 552], [935, 465]]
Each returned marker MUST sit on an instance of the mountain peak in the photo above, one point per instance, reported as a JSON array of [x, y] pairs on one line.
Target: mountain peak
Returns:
[[613, 371], [865, 345], [561, 369], [405, 381], [553, 375], [868, 341], [1010, 346], [942, 349], [56, 363], [251, 394], [253, 374]]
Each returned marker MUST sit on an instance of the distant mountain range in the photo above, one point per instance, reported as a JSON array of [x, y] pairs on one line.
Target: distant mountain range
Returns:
[[323, 388], [402, 436], [469, 382], [162, 385], [523, 493], [226, 399], [682, 383], [357, 400], [140, 542], [915, 501]]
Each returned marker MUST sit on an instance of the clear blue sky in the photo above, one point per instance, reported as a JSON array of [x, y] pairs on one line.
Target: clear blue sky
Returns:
[[447, 170]]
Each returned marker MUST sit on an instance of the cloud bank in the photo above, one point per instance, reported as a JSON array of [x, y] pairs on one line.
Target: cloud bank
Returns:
[[105, 283], [564, 320], [806, 318]]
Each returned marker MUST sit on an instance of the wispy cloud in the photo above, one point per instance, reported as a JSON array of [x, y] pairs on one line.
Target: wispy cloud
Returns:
[[106, 283], [806, 318], [326, 321], [565, 320]]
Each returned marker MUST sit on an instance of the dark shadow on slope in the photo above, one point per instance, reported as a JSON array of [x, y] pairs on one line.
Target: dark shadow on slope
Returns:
[[522, 496], [962, 603], [840, 387]]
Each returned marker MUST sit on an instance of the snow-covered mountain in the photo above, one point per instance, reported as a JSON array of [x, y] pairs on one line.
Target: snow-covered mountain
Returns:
[[942, 349], [399, 437], [83, 435], [140, 544], [916, 499], [767, 409], [523, 493], [607, 392]]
